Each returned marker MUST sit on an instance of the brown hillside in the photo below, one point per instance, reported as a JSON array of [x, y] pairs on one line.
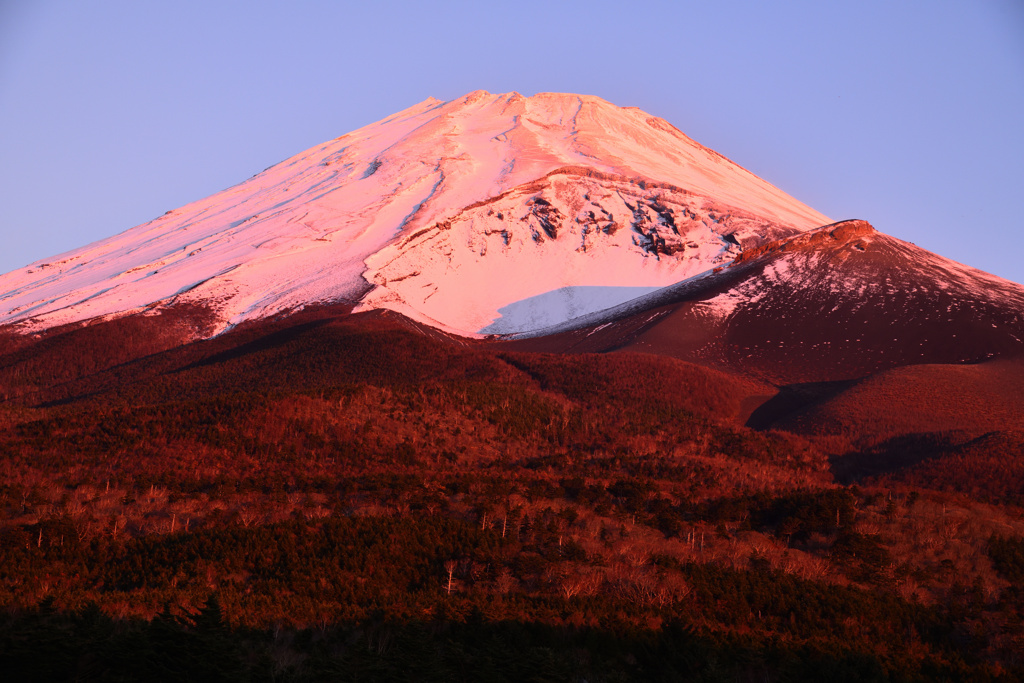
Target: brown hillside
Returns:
[[969, 399]]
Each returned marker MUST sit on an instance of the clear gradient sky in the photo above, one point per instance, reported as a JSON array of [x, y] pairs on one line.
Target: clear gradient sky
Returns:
[[907, 114]]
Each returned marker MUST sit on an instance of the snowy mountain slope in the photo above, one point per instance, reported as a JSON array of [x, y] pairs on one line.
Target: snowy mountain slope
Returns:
[[462, 214], [556, 248], [840, 302]]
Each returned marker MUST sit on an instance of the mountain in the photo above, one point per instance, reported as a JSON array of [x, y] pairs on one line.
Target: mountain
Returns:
[[835, 303], [863, 335], [510, 388], [557, 223], [486, 214]]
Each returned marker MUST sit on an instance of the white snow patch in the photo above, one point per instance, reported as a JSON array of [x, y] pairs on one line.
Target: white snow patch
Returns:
[[560, 305]]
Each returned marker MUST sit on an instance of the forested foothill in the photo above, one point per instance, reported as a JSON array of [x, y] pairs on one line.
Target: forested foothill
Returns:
[[346, 497]]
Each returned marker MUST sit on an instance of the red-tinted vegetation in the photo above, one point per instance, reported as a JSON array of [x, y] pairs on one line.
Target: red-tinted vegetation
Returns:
[[335, 496]]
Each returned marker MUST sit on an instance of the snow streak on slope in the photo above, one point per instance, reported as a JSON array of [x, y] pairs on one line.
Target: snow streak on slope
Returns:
[[453, 212]]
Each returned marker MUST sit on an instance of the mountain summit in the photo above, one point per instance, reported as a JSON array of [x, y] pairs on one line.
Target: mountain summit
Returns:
[[485, 214]]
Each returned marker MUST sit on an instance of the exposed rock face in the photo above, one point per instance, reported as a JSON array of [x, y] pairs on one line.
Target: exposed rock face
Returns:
[[842, 232]]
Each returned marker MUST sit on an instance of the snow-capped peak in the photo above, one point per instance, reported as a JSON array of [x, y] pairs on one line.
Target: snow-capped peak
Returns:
[[489, 213]]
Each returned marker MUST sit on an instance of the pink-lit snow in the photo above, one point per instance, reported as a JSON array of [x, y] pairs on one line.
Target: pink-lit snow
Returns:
[[486, 214]]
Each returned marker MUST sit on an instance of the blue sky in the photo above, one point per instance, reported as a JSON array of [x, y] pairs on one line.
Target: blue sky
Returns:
[[907, 114]]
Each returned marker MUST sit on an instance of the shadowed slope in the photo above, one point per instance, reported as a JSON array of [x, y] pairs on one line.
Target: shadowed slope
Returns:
[[969, 399], [989, 468]]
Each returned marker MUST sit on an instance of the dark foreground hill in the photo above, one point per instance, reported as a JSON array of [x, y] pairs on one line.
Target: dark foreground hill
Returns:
[[340, 496]]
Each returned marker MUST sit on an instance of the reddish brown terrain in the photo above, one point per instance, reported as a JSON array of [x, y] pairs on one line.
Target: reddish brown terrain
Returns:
[[266, 436], [808, 464], [886, 348]]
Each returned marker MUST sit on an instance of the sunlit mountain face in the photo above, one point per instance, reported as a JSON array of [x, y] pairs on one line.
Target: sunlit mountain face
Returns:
[[510, 388], [459, 214]]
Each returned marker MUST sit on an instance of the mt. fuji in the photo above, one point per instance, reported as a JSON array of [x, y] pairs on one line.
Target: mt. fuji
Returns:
[[512, 370], [489, 214]]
